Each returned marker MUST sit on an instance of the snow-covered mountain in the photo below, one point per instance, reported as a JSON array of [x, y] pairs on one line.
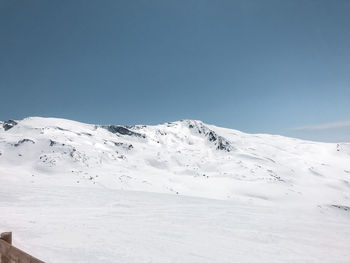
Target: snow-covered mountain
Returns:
[[185, 157], [182, 191]]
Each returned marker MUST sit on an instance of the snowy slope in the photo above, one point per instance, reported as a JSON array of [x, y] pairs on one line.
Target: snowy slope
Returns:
[[213, 193], [186, 157]]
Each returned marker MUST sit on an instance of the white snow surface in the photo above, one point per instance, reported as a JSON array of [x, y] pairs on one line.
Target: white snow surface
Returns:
[[177, 192]]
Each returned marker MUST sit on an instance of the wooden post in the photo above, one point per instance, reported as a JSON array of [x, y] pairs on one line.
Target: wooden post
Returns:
[[7, 237]]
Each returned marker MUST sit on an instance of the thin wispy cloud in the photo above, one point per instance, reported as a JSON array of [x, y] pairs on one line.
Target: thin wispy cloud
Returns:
[[325, 126]]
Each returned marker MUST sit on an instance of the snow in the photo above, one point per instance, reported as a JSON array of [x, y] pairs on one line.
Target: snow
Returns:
[[182, 192]]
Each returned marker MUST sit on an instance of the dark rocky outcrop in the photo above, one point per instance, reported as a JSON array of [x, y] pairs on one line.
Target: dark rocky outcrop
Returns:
[[220, 142], [342, 207], [54, 143], [23, 141], [123, 131], [9, 124], [124, 145]]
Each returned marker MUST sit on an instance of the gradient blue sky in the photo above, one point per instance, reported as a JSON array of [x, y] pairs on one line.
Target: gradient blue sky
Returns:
[[271, 66]]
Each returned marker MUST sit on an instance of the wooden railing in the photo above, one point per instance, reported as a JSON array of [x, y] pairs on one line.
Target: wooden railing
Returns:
[[11, 254]]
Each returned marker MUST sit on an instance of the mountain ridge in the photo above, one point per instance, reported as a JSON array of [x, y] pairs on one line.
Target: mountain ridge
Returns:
[[185, 157]]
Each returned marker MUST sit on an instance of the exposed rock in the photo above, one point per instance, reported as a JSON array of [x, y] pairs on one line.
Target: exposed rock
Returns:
[[342, 207], [9, 124], [122, 130], [220, 142], [61, 129], [23, 141], [52, 143], [124, 145], [85, 133]]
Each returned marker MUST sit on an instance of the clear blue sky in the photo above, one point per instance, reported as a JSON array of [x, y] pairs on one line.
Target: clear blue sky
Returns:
[[271, 66]]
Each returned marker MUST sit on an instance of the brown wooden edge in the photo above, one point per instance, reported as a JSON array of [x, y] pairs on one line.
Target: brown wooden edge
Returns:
[[9, 252]]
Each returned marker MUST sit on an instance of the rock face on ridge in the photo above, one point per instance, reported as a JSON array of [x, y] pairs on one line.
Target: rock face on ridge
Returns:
[[122, 131], [220, 142], [9, 124]]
